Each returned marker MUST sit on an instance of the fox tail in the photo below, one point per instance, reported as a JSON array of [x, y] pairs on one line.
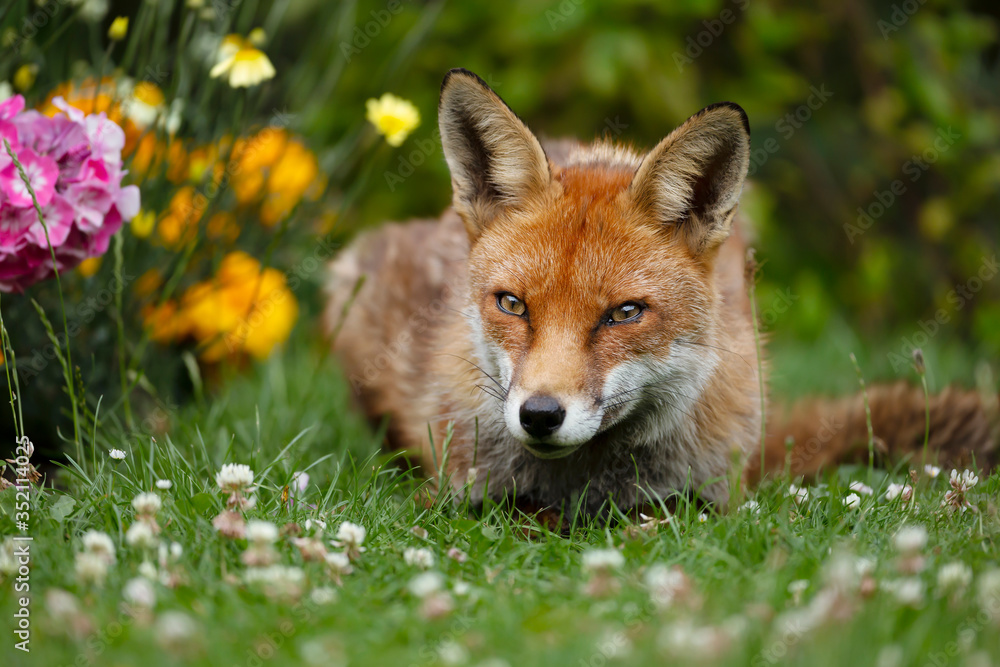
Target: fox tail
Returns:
[[964, 430]]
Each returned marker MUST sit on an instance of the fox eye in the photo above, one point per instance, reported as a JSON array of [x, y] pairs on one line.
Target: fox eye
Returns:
[[510, 304], [626, 312]]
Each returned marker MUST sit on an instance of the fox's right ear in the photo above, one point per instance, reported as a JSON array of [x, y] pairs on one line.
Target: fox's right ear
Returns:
[[495, 160]]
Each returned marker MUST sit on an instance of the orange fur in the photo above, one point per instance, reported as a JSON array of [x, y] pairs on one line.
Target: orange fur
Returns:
[[572, 237]]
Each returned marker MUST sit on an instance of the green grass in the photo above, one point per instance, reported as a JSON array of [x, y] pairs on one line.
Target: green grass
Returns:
[[529, 600]]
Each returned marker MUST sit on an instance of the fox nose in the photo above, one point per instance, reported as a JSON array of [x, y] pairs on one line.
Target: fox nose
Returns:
[[541, 416]]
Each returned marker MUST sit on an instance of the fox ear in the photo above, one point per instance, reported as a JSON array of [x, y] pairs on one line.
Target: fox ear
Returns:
[[693, 178], [495, 161]]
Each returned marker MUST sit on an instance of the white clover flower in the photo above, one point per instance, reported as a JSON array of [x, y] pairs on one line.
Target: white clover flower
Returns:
[[315, 523], [989, 590], [100, 544], [147, 504], [234, 477], [932, 471], [602, 560], [164, 484], [864, 566], [140, 535], [840, 572], [954, 577], [261, 533], [277, 581], [963, 481], [452, 653], [904, 491], [351, 534], [908, 591], [62, 605], [116, 454], [90, 568], [338, 562], [461, 588], [666, 584], [751, 506], [798, 494], [798, 587], [852, 501], [861, 488], [910, 539], [425, 583], [275, 573], [140, 593], [419, 557], [323, 595], [8, 564], [175, 630], [148, 570], [457, 554]]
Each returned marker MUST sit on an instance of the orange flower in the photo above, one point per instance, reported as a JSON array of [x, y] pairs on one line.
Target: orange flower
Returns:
[[222, 227], [166, 323], [179, 225], [148, 283], [243, 309]]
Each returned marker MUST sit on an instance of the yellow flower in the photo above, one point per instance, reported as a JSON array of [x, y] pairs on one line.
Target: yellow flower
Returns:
[[89, 266], [146, 104], [291, 178], [243, 309], [118, 29], [245, 68], [230, 44], [393, 117], [257, 37], [142, 224], [24, 77]]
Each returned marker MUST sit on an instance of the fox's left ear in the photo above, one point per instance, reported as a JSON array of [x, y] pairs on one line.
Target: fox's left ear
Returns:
[[693, 178]]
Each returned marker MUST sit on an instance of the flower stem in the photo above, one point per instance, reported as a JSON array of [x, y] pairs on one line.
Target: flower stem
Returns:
[[868, 419], [68, 366]]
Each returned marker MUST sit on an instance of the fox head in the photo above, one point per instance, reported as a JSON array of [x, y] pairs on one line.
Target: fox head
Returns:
[[591, 283]]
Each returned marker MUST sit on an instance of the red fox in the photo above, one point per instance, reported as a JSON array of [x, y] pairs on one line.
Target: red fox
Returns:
[[579, 324]]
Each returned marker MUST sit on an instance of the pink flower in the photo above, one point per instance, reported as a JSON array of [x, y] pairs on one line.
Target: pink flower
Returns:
[[74, 164], [41, 171]]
